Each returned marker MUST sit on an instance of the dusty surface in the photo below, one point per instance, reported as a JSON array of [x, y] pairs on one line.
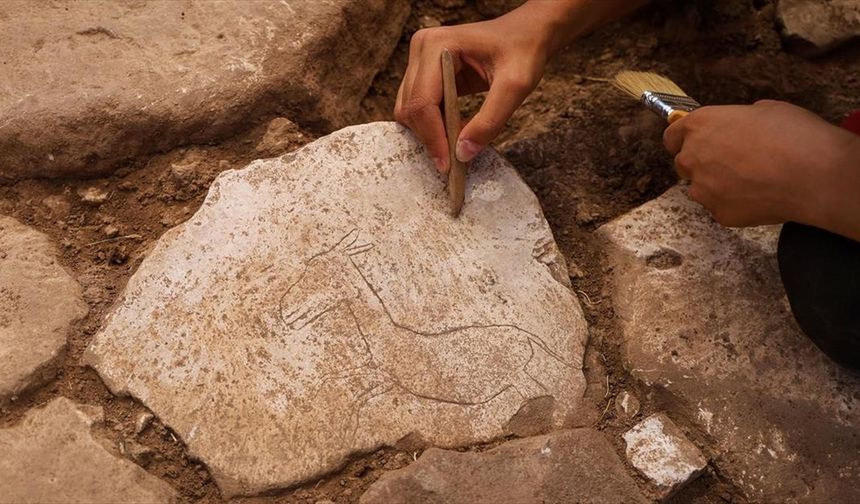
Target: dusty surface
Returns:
[[704, 319], [557, 467], [323, 304], [661, 451], [56, 455], [817, 26], [39, 302], [88, 86], [587, 153]]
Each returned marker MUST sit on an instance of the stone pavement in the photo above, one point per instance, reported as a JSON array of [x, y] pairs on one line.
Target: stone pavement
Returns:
[[577, 465], [705, 320], [55, 456], [39, 301], [324, 304], [112, 81]]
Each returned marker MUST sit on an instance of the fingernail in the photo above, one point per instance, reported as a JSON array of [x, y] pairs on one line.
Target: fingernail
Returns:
[[466, 150], [441, 164]]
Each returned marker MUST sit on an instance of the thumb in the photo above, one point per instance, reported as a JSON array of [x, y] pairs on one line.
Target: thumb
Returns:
[[505, 95]]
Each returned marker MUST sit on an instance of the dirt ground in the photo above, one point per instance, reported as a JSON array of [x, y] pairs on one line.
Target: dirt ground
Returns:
[[589, 153]]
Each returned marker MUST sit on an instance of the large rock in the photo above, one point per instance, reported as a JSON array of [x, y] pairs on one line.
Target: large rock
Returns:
[[705, 320], [567, 466], [86, 85], [324, 304], [39, 301], [53, 456], [818, 25]]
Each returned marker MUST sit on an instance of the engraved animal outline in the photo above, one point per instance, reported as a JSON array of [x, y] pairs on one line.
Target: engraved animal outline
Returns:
[[331, 280]]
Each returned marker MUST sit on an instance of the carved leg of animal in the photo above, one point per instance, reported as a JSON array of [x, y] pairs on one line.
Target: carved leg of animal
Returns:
[[555, 376], [360, 402], [528, 386]]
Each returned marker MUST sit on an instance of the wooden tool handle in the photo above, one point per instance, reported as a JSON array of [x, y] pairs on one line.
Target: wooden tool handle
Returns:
[[456, 169], [677, 114]]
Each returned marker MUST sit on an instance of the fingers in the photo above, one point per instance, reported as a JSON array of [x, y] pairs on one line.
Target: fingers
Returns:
[[673, 137], [418, 101], [505, 95]]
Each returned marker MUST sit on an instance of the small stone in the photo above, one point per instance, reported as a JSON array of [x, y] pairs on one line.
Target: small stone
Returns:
[[93, 195], [817, 26], [281, 134], [126, 186], [57, 205], [626, 405], [661, 452], [575, 270], [138, 453], [110, 231], [142, 422], [428, 22]]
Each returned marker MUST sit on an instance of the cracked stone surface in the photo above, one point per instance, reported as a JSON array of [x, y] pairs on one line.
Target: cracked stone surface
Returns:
[[39, 301], [819, 25], [112, 81], [661, 451], [578, 465], [324, 304], [704, 319], [53, 455]]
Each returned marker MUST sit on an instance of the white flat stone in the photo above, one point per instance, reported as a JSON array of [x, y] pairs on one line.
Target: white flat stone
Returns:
[[704, 317], [658, 449], [39, 300], [53, 456], [324, 304], [819, 24]]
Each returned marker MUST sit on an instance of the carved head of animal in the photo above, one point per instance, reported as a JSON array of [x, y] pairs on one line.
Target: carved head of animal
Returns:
[[328, 280]]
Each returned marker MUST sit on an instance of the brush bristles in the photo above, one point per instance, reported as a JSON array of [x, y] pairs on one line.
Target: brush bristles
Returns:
[[636, 83]]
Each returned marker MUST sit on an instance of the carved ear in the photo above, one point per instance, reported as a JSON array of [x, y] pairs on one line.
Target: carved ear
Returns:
[[348, 240], [359, 249]]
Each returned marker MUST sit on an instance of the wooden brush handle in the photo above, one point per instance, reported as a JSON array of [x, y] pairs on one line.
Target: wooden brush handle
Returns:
[[677, 114], [456, 169]]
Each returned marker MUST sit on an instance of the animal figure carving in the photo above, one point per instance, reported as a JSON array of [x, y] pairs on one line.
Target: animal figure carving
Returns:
[[465, 365]]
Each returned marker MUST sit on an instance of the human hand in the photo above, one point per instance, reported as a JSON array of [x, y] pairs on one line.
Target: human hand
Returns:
[[769, 163], [505, 56]]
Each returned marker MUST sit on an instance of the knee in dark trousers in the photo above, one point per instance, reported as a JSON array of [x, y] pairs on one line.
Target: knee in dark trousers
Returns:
[[821, 274]]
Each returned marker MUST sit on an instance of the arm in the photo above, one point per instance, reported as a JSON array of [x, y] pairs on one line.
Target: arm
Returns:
[[769, 163], [505, 56]]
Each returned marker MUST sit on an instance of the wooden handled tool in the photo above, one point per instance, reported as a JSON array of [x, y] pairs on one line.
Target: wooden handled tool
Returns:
[[658, 93], [456, 169]]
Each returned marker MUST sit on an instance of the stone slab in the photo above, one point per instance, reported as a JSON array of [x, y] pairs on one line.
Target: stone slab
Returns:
[[89, 85], [706, 323], [53, 456], [577, 465], [39, 301], [660, 451], [324, 304], [819, 25]]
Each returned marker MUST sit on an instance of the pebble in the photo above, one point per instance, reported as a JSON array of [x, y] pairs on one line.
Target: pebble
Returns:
[[142, 422], [627, 405], [93, 195]]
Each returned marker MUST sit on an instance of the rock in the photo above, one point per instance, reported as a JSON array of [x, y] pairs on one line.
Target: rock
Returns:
[[54, 456], [281, 135], [58, 206], [110, 231], [660, 451], [94, 196], [704, 319], [428, 22], [626, 405], [180, 73], [323, 304], [495, 8], [577, 465], [142, 422], [39, 300], [817, 26]]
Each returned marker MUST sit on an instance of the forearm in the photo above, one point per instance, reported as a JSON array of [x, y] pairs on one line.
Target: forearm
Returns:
[[839, 204], [566, 20]]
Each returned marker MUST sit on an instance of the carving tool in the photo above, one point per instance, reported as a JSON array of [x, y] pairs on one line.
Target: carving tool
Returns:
[[659, 94], [456, 169]]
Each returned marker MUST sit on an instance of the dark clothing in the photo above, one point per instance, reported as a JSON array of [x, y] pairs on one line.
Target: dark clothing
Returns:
[[821, 274]]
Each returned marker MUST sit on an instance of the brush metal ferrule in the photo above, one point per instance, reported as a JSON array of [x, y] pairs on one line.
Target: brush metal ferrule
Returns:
[[664, 104]]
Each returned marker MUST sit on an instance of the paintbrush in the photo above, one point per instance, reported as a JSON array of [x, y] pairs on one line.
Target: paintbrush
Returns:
[[659, 94], [456, 169]]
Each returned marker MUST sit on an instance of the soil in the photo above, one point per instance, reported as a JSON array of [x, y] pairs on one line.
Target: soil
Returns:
[[589, 153]]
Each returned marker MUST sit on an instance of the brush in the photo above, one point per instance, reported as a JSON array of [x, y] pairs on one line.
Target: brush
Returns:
[[659, 94]]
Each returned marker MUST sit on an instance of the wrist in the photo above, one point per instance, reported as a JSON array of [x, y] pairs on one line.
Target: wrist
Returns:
[[836, 206]]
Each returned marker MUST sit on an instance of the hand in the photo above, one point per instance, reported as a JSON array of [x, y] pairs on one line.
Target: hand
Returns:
[[505, 56], [769, 163]]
